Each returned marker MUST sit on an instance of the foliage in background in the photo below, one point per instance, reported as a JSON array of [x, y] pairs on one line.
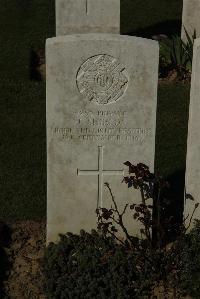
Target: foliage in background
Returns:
[[177, 54]]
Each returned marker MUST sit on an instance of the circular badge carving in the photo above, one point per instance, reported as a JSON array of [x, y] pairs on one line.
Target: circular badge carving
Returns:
[[102, 79]]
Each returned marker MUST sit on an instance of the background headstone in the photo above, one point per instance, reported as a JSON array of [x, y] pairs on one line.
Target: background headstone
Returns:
[[190, 18], [87, 16], [101, 112], [193, 143]]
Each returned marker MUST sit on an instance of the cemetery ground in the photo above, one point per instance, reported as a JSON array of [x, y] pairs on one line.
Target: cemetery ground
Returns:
[[22, 110]]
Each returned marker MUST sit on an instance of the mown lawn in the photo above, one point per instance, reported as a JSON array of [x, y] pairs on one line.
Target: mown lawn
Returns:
[[144, 17], [25, 25]]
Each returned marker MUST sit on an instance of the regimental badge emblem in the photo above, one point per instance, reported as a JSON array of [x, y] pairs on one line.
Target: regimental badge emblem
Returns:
[[102, 79]]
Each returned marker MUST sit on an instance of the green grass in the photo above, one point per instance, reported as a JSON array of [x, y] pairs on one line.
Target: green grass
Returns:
[[172, 122], [22, 107], [141, 15], [22, 150], [23, 24]]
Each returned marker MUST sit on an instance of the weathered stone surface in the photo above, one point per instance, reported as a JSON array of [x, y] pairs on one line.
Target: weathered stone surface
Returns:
[[193, 143], [191, 18], [87, 16], [101, 112]]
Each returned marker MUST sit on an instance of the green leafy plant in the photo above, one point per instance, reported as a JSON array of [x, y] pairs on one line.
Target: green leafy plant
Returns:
[[189, 45], [173, 52], [177, 54]]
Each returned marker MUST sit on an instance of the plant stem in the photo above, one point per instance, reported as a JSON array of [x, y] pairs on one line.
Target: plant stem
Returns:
[[120, 221], [195, 207]]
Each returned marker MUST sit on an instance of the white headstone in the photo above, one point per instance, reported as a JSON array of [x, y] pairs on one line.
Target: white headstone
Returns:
[[101, 112], [190, 18], [87, 16], [193, 144]]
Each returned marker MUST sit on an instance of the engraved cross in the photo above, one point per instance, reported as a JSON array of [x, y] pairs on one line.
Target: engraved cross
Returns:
[[100, 172]]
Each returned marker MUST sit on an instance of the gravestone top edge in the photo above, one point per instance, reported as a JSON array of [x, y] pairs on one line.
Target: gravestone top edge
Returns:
[[101, 36]]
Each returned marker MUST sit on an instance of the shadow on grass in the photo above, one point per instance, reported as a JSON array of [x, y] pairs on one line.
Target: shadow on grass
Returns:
[[5, 242], [171, 209], [171, 144], [169, 28], [173, 212]]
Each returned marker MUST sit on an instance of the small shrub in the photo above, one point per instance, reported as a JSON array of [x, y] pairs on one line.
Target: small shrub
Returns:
[[103, 265], [186, 256], [92, 266]]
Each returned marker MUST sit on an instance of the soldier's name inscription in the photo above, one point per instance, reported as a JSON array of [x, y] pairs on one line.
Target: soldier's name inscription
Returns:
[[100, 126]]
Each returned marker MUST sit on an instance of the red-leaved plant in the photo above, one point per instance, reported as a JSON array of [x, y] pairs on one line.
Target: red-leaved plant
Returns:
[[151, 187]]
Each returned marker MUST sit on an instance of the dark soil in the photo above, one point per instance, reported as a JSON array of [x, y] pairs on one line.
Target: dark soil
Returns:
[[175, 76], [25, 278]]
